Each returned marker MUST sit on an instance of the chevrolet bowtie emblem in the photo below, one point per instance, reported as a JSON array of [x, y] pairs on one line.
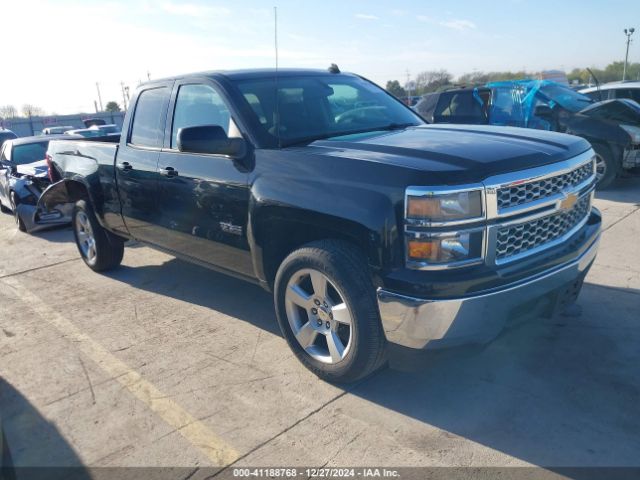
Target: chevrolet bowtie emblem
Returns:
[[568, 202]]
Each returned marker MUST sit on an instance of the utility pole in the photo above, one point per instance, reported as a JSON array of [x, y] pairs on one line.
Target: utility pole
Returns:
[[408, 87], [99, 97], [628, 32], [124, 96], [148, 75]]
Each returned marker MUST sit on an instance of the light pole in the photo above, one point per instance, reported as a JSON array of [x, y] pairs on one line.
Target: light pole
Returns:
[[628, 32]]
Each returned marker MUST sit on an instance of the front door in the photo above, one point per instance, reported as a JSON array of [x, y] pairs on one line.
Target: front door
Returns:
[[203, 199]]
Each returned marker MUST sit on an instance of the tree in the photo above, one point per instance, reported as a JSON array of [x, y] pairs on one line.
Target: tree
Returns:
[[8, 111], [395, 89], [611, 73], [432, 80], [112, 107], [29, 110]]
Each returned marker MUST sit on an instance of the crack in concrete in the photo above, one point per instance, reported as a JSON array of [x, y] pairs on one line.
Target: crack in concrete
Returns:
[[621, 219], [295, 424], [34, 269], [86, 374]]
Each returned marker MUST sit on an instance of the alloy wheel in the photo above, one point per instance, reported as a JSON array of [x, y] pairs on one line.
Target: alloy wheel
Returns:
[[86, 240], [319, 316]]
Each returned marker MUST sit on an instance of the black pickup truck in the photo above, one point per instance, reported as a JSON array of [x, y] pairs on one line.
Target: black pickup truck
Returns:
[[376, 232]]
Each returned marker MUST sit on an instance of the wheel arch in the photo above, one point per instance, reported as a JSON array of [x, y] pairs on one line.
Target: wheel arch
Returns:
[[280, 231]]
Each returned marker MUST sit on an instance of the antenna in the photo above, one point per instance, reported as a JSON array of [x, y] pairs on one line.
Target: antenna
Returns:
[[275, 39]]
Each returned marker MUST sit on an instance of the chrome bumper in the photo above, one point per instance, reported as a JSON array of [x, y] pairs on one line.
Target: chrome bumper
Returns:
[[428, 324]]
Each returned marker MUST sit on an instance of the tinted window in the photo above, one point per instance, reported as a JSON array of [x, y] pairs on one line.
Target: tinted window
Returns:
[[147, 120], [632, 93], [29, 153], [598, 95], [320, 106], [198, 105], [460, 104]]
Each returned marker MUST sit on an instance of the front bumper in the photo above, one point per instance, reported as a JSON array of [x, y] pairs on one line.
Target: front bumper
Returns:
[[429, 324], [35, 219]]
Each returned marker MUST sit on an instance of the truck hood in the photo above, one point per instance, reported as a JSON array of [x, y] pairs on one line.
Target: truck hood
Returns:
[[35, 169], [456, 154]]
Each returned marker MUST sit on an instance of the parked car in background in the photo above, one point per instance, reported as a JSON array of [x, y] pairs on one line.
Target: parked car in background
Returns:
[[411, 101], [6, 135], [612, 127], [376, 232], [57, 130], [106, 129], [612, 90], [23, 177], [85, 132], [90, 122]]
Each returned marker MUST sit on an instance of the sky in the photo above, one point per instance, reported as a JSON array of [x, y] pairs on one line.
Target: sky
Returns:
[[54, 52]]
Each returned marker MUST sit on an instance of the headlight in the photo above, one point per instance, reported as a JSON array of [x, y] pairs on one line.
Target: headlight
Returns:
[[432, 206], [445, 248], [634, 132]]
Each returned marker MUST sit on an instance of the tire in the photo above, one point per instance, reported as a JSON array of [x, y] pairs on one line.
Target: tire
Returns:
[[14, 207], [100, 250], [341, 338], [4, 209], [607, 167]]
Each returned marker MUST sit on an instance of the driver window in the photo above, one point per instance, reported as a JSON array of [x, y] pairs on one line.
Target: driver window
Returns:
[[197, 105]]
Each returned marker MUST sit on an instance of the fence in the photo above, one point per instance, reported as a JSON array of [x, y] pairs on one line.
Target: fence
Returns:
[[25, 127]]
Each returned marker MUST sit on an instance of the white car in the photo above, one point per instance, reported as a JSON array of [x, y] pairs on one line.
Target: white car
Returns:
[[608, 91]]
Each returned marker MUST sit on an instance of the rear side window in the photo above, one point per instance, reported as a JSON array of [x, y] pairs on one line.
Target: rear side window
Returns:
[[29, 153], [198, 105], [632, 93], [147, 120]]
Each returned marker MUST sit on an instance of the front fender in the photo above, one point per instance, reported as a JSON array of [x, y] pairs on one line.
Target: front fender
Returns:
[[295, 213]]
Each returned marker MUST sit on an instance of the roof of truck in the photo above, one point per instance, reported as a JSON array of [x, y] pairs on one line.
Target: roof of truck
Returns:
[[251, 73]]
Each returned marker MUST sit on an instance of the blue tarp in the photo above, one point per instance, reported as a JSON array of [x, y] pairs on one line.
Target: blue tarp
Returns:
[[514, 102]]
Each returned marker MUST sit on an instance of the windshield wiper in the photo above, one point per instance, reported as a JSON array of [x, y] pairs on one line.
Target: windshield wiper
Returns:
[[324, 136]]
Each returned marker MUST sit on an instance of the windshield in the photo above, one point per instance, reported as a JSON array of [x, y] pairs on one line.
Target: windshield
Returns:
[[321, 106], [565, 97], [29, 153]]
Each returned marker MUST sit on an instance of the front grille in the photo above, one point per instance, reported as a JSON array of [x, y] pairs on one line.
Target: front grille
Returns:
[[524, 237], [529, 192]]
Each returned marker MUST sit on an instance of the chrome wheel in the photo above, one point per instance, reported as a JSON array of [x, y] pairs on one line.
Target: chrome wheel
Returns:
[[601, 168], [86, 240], [319, 316]]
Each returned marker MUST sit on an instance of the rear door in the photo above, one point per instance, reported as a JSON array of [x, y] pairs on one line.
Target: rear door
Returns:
[[137, 161], [203, 199]]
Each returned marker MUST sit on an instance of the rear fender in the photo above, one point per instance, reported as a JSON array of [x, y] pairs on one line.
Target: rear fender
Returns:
[[59, 193]]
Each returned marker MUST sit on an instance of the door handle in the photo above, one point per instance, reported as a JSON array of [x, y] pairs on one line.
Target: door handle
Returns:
[[169, 172], [125, 166]]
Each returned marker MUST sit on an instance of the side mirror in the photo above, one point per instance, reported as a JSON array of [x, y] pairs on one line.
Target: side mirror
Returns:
[[543, 111], [210, 139]]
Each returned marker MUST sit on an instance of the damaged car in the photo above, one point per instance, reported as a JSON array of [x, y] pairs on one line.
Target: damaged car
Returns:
[[612, 127], [24, 175]]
